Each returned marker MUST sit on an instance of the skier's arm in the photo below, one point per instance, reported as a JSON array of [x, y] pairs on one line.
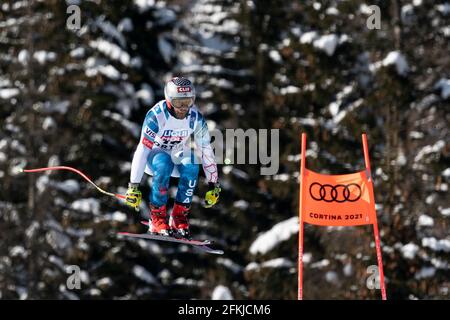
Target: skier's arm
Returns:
[[148, 134], [138, 163], [149, 129], [205, 151]]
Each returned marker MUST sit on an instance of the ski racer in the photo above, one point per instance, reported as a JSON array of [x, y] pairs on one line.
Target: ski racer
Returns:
[[164, 152]]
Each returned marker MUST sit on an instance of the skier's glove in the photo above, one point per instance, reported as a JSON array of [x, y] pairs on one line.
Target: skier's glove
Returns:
[[133, 196], [212, 196]]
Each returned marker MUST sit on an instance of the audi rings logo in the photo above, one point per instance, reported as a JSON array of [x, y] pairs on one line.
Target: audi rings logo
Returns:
[[339, 193]]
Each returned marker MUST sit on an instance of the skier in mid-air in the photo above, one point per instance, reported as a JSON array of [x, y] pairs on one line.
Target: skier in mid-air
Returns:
[[163, 151]]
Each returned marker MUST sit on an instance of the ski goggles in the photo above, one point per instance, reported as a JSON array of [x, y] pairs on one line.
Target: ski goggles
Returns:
[[182, 102]]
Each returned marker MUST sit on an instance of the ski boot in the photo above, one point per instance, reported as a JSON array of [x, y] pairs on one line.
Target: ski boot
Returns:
[[178, 221], [158, 221]]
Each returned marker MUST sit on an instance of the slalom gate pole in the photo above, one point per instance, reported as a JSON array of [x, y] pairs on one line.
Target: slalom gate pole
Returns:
[[300, 218], [375, 223]]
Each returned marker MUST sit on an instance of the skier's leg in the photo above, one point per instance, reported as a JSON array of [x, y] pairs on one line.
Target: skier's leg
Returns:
[[188, 181], [162, 166]]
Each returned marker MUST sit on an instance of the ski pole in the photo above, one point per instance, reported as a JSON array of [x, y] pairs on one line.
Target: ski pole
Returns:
[[115, 195]]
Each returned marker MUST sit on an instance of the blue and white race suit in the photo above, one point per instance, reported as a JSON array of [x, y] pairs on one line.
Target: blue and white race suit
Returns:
[[164, 151]]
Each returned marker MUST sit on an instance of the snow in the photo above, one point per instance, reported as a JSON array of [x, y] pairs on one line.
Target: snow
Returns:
[[365, 9], [68, 186], [327, 43], [221, 83], [144, 5], [446, 173], [165, 48], [146, 94], [320, 264], [41, 183], [104, 282], [331, 277], [406, 12], [77, 53], [116, 216], [234, 267], [23, 57], [144, 275], [8, 93], [443, 85], [221, 292], [132, 127], [429, 149], [348, 269], [409, 250], [22, 292], [109, 29], [444, 8], [239, 173], [94, 66], [125, 25], [342, 114], [332, 11], [425, 221], [67, 294], [79, 233], [398, 59], [307, 257], [111, 50], [395, 58], [308, 37], [275, 56], [189, 282], [436, 245], [425, 272], [445, 211], [289, 90], [281, 177], [335, 105], [18, 251], [277, 263], [273, 263], [164, 16], [280, 232], [416, 135], [57, 106], [94, 292], [43, 56], [58, 240], [48, 123], [241, 204], [87, 205]]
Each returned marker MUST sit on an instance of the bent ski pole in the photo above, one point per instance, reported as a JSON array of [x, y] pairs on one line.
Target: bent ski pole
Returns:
[[115, 195]]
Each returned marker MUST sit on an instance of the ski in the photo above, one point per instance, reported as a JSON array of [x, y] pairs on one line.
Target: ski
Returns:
[[165, 238], [200, 245], [197, 244]]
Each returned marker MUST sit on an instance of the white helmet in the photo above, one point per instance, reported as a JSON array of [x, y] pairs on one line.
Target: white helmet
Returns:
[[179, 88]]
